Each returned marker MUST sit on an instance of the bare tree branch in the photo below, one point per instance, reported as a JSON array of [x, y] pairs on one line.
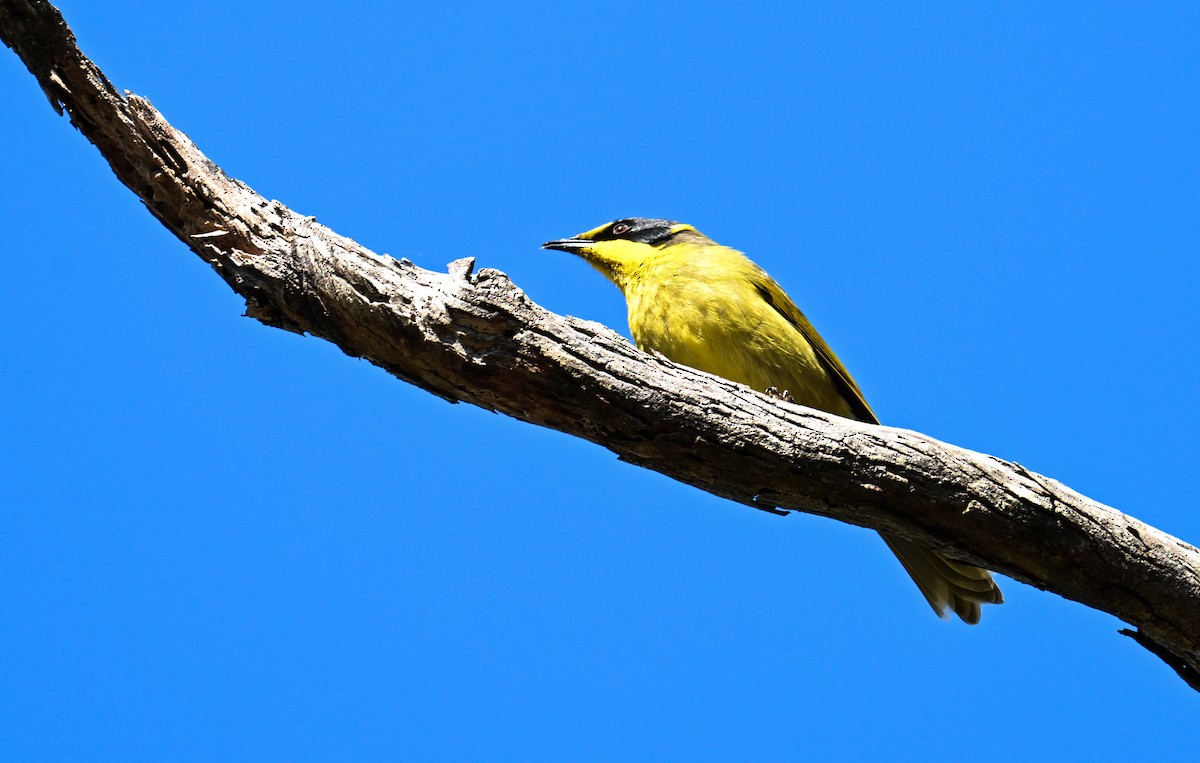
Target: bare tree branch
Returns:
[[475, 337]]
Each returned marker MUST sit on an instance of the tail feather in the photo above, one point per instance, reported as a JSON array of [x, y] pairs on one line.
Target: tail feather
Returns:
[[946, 585]]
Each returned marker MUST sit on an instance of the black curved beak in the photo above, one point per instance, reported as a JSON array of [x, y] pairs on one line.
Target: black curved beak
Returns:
[[569, 244]]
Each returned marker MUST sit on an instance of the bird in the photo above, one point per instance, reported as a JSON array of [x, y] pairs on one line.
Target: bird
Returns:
[[710, 307]]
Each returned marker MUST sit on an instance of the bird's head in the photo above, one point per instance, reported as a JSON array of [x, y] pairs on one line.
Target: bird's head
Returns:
[[618, 248]]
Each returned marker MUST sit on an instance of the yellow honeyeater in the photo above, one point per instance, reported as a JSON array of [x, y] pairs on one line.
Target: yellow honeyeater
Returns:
[[709, 307]]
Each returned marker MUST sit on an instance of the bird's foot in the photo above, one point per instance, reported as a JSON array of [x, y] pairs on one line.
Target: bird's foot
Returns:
[[785, 396]]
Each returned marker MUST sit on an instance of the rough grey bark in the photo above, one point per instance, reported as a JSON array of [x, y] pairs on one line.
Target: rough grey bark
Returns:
[[475, 337]]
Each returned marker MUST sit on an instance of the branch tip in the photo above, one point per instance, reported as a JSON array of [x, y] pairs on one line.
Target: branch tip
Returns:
[[1182, 667]]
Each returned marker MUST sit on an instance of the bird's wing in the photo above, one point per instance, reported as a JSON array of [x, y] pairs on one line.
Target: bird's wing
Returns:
[[946, 584], [775, 296]]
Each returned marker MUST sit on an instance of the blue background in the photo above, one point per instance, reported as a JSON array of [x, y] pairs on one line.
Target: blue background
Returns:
[[222, 541]]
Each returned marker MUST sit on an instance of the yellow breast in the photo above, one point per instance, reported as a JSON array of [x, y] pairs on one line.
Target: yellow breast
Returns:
[[701, 306]]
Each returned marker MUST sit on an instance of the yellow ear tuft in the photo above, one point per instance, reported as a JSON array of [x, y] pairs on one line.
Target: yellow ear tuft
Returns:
[[680, 227]]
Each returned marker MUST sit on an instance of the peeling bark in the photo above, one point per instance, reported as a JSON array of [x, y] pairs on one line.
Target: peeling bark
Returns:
[[476, 338]]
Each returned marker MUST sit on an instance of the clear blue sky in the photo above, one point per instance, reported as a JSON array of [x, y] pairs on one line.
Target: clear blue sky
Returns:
[[226, 542]]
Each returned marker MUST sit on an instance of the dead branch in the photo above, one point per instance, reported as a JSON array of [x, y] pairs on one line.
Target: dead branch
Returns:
[[475, 337]]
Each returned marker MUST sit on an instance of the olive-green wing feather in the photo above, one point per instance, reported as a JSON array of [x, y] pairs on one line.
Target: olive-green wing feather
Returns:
[[946, 584], [774, 296]]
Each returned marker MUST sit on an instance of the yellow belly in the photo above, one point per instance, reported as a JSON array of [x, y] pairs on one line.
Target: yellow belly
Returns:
[[709, 316]]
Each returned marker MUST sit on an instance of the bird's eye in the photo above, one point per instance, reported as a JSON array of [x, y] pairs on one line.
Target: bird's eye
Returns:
[[620, 228]]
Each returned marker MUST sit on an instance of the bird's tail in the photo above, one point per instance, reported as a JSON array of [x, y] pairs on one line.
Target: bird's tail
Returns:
[[946, 584]]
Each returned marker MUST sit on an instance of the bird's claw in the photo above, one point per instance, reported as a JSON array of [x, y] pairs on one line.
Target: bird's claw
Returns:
[[785, 396]]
